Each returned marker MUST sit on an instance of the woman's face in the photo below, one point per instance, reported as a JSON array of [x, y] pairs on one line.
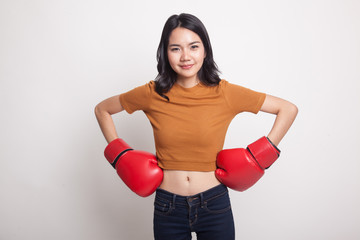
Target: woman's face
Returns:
[[186, 53]]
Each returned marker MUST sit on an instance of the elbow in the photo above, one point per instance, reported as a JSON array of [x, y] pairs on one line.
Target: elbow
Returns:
[[98, 110], [292, 110], [289, 109], [295, 109]]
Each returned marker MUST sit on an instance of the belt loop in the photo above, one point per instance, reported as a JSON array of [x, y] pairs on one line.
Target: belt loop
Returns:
[[202, 200], [173, 201]]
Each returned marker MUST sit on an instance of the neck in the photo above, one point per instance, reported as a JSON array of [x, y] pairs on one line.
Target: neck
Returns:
[[188, 82]]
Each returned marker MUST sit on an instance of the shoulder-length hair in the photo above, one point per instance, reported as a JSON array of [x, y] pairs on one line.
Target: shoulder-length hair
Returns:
[[208, 74]]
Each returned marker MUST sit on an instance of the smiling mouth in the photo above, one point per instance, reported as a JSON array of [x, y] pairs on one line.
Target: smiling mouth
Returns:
[[187, 66]]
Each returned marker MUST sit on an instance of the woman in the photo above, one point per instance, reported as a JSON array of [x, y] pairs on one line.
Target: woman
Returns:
[[190, 109]]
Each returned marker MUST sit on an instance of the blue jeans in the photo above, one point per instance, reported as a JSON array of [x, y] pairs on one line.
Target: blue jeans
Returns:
[[207, 213]]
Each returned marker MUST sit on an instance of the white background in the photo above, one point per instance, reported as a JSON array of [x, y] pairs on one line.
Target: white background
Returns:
[[58, 59]]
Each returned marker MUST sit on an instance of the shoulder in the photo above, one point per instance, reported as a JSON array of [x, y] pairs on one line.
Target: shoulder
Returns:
[[226, 85], [147, 87], [237, 91], [141, 90], [151, 86], [223, 83], [241, 98], [139, 98]]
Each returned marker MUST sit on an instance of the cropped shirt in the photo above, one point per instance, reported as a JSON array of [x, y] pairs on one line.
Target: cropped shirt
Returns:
[[190, 128]]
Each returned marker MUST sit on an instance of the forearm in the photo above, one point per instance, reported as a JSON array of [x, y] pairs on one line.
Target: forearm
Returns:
[[103, 112], [106, 124], [284, 119]]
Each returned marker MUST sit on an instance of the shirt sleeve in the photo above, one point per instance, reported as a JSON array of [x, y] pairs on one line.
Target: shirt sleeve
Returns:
[[241, 99], [137, 98]]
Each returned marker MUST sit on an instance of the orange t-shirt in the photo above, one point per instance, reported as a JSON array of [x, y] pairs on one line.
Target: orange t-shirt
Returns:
[[190, 128]]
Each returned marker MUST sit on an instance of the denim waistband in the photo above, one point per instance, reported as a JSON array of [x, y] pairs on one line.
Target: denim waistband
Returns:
[[207, 195]]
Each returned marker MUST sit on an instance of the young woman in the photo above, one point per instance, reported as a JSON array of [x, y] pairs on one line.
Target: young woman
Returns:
[[190, 109]]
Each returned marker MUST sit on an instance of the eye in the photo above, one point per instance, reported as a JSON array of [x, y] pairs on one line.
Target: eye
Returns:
[[194, 47], [174, 49]]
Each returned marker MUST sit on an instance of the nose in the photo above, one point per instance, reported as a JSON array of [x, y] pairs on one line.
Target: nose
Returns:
[[185, 56]]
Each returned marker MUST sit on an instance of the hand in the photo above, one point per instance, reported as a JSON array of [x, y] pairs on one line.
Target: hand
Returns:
[[138, 169], [240, 168]]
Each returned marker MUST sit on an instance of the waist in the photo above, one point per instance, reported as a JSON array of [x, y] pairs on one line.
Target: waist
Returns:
[[188, 183], [198, 198]]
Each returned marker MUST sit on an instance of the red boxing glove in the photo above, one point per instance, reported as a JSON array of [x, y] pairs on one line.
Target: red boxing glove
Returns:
[[138, 169], [240, 168]]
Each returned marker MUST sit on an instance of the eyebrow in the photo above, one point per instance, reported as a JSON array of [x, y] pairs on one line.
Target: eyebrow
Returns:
[[178, 45]]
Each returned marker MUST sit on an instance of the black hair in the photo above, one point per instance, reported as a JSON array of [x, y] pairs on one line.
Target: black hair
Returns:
[[209, 72]]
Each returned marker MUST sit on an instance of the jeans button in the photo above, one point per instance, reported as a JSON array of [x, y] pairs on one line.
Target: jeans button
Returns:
[[192, 199]]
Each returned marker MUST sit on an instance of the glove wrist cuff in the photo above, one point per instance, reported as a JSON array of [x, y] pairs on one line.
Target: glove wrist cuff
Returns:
[[115, 149], [276, 148], [264, 151]]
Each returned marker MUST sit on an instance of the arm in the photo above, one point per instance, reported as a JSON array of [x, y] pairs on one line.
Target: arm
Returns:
[[241, 168], [138, 169], [103, 112], [285, 115]]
